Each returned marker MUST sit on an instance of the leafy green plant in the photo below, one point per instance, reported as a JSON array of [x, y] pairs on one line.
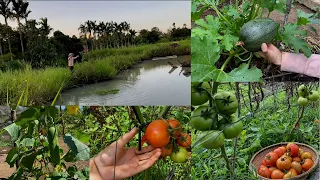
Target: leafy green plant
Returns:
[[217, 48], [37, 150], [265, 123]]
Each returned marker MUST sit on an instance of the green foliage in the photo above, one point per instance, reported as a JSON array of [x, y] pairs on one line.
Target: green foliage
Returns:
[[215, 39], [41, 52], [35, 134], [268, 125]]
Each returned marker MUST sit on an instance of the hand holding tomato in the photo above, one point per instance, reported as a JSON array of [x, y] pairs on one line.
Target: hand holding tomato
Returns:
[[129, 161]]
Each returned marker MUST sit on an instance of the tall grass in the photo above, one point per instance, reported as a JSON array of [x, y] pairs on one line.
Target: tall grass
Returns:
[[99, 65]]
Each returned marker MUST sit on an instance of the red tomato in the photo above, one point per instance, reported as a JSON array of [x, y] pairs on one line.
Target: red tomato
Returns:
[[264, 171], [184, 140], [307, 164], [157, 133], [293, 149], [280, 151], [264, 163], [271, 159], [176, 126], [277, 174]]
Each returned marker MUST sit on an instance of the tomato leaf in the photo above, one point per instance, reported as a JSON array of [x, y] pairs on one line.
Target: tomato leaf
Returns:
[[290, 38]]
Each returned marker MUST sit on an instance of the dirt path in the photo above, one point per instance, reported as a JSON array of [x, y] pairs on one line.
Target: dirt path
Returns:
[[6, 171]]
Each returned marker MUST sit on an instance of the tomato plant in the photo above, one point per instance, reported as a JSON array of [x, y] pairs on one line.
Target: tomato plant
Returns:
[[176, 126]]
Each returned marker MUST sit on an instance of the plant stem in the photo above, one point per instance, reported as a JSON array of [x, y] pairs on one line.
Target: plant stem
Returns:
[[297, 121], [224, 154], [252, 9], [228, 59], [164, 111], [219, 13], [237, 4]]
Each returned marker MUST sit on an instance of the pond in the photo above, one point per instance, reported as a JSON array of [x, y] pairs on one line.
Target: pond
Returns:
[[152, 82]]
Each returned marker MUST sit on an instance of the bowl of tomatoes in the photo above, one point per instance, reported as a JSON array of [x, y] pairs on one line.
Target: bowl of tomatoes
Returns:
[[286, 160]]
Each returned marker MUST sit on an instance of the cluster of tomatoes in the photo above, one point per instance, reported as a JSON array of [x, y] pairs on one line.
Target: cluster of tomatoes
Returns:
[[285, 162], [306, 95], [168, 135], [216, 122]]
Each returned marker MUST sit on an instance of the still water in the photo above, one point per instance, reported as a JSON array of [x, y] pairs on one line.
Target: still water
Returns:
[[152, 82]]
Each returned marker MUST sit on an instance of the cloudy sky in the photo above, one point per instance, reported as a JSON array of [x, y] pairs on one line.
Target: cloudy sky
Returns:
[[66, 16]]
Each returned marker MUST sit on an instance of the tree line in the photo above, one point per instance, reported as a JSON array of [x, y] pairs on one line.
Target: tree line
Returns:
[[31, 42]]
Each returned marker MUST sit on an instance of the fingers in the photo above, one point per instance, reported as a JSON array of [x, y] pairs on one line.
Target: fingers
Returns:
[[127, 137], [147, 155], [264, 48], [145, 164], [145, 149]]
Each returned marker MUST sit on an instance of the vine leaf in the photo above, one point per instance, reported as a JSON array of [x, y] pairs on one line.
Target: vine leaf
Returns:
[[290, 38], [305, 18], [205, 54], [229, 41]]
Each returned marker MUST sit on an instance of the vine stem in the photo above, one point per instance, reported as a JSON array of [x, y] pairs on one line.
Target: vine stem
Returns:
[[224, 154], [297, 121], [218, 12]]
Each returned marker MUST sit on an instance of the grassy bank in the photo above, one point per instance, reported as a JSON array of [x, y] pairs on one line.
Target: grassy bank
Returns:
[[41, 86]]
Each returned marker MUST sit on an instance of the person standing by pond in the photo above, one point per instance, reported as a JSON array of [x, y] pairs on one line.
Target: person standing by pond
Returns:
[[71, 59]]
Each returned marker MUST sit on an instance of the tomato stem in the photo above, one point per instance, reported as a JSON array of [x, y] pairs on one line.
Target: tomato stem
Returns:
[[224, 154], [297, 121]]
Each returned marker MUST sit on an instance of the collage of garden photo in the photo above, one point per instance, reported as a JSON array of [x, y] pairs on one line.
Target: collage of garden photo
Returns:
[[160, 90]]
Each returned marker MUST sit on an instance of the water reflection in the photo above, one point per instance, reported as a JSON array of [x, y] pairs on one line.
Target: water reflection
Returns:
[[152, 82]]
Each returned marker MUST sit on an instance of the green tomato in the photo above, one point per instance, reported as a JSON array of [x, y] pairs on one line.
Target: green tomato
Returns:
[[180, 155], [302, 101], [313, 96], [226, 103], [199, 96], [302, 91], [211, 139], [203, 118], [233, 129]]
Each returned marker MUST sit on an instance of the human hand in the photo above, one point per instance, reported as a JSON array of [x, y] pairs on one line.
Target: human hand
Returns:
[[118, 162], [271, 53]]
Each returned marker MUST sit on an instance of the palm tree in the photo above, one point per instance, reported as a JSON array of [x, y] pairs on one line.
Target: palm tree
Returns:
[[5, 11], [132, 35], [83, 32], [25, 16], [45, 28], [19, 11], [89, 27]]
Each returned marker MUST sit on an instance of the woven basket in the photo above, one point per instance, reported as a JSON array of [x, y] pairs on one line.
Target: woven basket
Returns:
[[257, 159]]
